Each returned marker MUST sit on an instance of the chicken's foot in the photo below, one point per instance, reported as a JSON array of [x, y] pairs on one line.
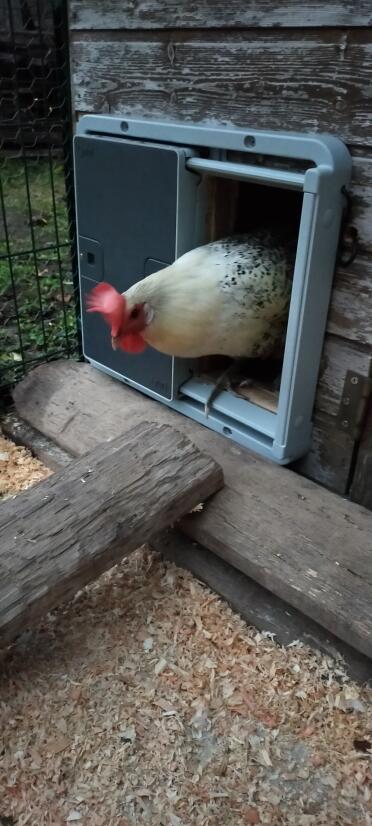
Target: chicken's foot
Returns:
[[230, 378]]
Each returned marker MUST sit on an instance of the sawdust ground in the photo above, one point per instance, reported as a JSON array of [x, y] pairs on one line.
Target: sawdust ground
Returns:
[[18, 468], [146, 700]]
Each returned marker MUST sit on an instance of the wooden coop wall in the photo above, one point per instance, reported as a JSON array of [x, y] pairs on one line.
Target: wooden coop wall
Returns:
[[267, 65]]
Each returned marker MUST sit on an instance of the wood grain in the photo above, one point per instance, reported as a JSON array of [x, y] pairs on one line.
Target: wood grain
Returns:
[[361, 192], [350, 313], [329, 460], [49, 399], [361, 488], [266, 79], [268, 65], [338, 357], [255, 604], [303, 543], [320, 565], [154, 14], [64, 532], [23, 434]]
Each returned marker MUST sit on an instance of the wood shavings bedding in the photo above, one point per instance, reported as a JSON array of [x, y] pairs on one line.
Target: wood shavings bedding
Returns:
[[18, 468], [146, 700]]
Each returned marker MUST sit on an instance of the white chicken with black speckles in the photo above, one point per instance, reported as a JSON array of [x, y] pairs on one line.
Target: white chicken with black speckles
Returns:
[[229, 297]]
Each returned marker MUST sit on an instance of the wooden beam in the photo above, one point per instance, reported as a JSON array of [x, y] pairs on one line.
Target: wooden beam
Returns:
[[303, 543], [66, 531], [255, 604], [155, 14], [22, 433]]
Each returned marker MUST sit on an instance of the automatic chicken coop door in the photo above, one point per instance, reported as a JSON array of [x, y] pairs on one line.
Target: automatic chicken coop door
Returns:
[[140, 189]]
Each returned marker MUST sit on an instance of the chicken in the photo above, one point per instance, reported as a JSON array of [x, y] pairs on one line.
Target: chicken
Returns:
[[228, 298]]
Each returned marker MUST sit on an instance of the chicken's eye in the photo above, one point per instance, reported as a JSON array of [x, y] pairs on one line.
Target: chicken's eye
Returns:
[[135, 312]]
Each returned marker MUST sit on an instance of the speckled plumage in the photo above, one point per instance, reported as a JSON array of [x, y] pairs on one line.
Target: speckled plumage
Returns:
[[229, 297]]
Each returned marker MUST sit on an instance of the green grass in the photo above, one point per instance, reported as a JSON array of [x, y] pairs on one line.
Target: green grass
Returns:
[[37, 309]]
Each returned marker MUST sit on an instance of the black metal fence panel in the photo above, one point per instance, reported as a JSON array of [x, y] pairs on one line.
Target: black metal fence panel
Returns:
[[38, 262]]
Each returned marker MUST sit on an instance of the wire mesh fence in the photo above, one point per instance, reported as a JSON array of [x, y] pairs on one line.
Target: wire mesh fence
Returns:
[[38, 263]]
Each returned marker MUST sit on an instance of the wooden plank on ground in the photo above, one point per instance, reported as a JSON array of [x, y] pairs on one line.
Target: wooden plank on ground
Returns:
[[178, 14], [22, 433], [237, 77], [64, 532], [255, 604], [303, 543]]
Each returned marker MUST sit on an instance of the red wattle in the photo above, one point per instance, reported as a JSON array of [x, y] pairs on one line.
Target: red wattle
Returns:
[[132, 343]]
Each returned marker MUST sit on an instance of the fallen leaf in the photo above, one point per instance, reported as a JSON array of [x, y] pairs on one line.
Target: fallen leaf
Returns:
[[329, 780], [251, 816], [318, 760], [57, 744], [76, 693]]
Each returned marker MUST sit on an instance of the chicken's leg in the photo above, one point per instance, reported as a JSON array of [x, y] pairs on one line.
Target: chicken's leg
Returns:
[[243, 372], [230, 377]]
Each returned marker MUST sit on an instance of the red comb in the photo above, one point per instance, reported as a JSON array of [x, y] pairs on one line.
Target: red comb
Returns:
[[106, 300]]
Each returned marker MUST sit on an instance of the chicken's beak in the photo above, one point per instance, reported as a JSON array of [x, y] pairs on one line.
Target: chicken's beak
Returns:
[[114, 342]]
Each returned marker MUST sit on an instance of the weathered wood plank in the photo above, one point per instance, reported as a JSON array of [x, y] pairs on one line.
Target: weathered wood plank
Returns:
[[350, 311], [64, 532], [255, 604], [242, 78], [23, 434], [338, 357], [178, 14], [303, 543], [361, 488], [329, 461], [326, 563], [361, 192]]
